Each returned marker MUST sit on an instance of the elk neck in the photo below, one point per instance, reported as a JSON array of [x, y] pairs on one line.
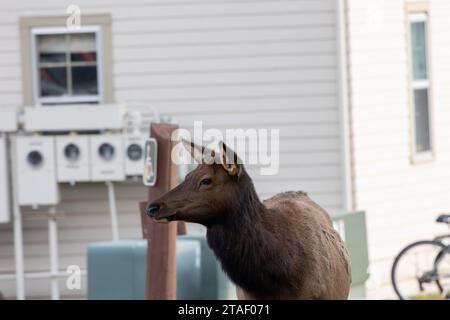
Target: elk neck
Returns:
[[243, 241]]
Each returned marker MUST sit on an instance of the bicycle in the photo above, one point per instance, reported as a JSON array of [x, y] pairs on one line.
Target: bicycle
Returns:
[[422, 269]]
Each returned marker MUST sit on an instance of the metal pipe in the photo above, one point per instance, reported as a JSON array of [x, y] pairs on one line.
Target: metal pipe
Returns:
[[17, 229], [113, 211], [18, 253], [53, 249], [37, 275]]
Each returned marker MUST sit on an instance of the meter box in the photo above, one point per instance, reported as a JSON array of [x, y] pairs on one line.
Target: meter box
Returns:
[[4, 182], [134, 154], [36, 170], [73, 117], [72, 158], [150, 162], [107, 158], [8, 119]]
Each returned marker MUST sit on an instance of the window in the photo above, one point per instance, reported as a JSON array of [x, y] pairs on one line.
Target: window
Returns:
[[420, 86], [61, 65], [66, 65]]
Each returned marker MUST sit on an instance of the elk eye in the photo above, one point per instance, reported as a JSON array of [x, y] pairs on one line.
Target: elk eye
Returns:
[[205, 182]]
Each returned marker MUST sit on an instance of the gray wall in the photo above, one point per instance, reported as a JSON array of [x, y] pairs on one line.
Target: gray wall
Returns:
[[247, 63]]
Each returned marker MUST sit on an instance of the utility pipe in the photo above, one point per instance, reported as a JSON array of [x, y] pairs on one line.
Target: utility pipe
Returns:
[[53, 249], [113, 211], [17, 229]]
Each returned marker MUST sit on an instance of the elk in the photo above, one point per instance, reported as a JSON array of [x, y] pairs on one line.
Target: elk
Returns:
[[282, 248]]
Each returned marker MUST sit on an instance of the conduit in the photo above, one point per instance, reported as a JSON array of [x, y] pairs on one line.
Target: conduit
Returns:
[[113, 211], [17, 229], [53, 249], [18, 252]]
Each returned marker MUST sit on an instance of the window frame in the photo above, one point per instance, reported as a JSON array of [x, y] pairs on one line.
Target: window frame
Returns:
[[417, 12], [35, 65], [104, 43]]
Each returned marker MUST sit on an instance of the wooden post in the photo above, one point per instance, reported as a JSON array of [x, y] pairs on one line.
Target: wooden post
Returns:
[[161, 251]]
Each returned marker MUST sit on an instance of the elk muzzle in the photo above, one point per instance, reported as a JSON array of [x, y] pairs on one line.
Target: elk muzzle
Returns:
[[154, 211]]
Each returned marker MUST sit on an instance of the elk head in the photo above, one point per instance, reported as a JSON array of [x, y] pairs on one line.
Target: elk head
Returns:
[[206, 194]]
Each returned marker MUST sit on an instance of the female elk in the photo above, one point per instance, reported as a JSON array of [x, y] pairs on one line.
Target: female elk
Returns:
[[282, 248]]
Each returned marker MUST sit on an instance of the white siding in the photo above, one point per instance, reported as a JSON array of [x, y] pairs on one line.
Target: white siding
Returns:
[[84, 219], [246, 63], [401, 199]]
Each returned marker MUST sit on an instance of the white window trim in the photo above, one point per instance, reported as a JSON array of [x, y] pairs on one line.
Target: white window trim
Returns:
[[34, 65], [420, 84], [418, 17], [428, 155]]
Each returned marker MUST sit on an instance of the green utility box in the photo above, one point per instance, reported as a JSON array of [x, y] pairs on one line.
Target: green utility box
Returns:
[[352, 227]]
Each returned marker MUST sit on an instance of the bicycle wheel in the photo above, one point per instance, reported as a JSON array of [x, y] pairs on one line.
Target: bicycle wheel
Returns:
[[442, 265], [414, 274]]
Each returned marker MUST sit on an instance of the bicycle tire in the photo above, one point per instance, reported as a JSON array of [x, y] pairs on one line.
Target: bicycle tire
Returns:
[[439, 257], [402, 253]]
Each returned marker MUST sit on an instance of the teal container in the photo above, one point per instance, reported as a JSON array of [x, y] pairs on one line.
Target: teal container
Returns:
[[214, 283], [117, 270]]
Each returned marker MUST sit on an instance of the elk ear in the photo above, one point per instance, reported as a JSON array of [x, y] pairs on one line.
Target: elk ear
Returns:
[[199, 153], [230, 161]]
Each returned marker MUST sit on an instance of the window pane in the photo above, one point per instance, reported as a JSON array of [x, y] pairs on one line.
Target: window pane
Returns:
[[52, 48], [84, 80], [53, 81], [422, 120], [83, 47], [51, 57], [83, 57], [419, 50]]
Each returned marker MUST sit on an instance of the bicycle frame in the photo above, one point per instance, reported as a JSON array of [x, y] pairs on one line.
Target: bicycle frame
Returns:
[[439, 238]]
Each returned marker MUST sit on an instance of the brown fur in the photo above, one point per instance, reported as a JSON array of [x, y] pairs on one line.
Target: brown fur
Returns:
[[282, 248]]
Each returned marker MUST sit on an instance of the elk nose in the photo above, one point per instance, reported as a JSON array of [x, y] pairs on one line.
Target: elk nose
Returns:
[[152, 209]]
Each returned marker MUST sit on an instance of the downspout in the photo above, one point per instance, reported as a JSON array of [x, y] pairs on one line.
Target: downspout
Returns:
[[19, 257], [344, 103]]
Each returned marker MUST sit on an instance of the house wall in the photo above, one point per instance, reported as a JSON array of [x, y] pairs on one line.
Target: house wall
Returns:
[[401, 199], [246, 63]]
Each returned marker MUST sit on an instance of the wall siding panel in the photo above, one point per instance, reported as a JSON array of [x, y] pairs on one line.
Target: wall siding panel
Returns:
[[401, 199], [248, 64]]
